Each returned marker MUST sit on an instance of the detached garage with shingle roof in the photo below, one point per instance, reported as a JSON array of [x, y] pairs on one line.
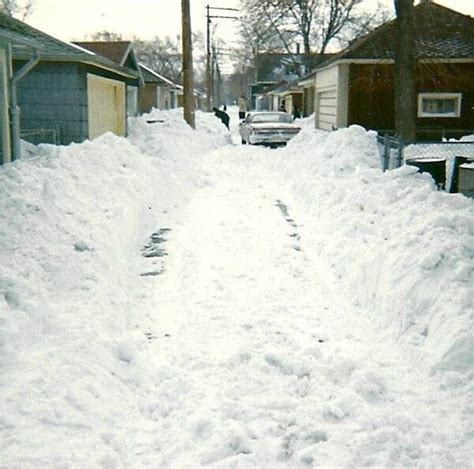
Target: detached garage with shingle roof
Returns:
[[356, 86], [72, 92]]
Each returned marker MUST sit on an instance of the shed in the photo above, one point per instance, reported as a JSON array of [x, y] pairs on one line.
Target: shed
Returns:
[[72, 94]]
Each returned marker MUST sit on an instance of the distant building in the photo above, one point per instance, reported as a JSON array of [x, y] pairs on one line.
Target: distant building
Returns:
[[159, 92]]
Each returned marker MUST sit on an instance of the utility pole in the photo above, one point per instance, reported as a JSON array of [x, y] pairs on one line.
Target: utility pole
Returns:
[[405, 63], [209, 63], [208, 60], [188, 82]]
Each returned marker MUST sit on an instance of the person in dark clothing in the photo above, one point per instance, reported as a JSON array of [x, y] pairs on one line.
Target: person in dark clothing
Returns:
[[296, 113], [223, 116]]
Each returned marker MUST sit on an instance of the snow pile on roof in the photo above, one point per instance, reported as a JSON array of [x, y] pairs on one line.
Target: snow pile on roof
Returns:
[[401, 248]]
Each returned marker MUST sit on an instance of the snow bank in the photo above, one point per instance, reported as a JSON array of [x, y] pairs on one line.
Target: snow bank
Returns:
[[400, 248], [68, 218], [166, 134], [74, 364], [72, 223]]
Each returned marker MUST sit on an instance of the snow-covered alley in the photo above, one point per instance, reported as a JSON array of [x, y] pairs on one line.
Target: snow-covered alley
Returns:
[[178, 300]]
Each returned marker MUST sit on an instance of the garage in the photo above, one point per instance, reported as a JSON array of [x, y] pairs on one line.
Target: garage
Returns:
[[106, 106]]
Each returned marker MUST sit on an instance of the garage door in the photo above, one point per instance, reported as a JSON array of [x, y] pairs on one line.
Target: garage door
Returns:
[[106, 106], [326, 109]]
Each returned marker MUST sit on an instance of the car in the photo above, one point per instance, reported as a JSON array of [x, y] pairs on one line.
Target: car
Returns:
[[270, 128]]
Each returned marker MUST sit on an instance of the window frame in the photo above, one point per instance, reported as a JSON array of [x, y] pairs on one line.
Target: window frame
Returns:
[[431, 95]]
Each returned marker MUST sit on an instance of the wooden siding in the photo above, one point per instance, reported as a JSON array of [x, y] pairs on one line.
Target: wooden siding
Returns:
[[147, 97], [308, 101], [106, 106], [154, 96], [52, 96], [371, 95]]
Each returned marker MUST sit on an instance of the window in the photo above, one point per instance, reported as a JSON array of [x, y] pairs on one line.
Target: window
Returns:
[[270, 117], [439, 104]]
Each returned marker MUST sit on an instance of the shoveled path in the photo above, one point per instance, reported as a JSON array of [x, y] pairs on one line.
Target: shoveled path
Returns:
[[259, 358]]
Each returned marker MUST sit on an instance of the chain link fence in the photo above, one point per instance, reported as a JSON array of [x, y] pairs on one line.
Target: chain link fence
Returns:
[[440, 159], [37, 136]]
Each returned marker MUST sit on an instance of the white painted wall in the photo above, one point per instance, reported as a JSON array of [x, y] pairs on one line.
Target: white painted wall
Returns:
[[163, 97], [132, 101], [342, 95]]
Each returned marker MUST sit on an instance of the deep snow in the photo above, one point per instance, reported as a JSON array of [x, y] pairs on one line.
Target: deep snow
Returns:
[[303, 308]]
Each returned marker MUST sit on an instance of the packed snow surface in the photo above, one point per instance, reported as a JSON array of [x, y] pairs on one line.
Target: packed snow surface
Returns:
[[176, 300]]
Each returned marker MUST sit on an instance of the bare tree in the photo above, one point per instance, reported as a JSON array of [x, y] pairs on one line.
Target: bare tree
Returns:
[[17, 8], [164, 56], [314, 24], [106, 36], [161, 55], [405, 99]]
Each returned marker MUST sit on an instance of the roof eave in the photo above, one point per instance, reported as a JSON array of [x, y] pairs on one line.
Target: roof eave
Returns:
[[18, 39], [67, 58], [391, 61]]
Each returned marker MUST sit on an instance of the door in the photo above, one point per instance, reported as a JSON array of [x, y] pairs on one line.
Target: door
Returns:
[[106, 100]]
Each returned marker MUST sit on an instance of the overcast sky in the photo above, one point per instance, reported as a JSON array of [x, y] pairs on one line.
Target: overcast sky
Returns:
[[75, 19]]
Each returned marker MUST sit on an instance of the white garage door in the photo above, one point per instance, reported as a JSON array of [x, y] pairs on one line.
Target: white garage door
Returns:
[[106, 106], [326, 109]]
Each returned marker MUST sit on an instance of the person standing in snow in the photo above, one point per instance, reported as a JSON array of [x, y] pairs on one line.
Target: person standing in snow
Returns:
[[242, 107], [296, 113], [223, 116]]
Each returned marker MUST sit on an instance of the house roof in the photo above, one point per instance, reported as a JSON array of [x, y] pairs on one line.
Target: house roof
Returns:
[[285, 88], [117, 51], [271, 65], [268, 64], [440, 33], [150, 76], [53, 49]]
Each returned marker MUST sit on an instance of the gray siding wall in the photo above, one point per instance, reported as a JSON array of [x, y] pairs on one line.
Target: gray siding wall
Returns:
[[54, 95]]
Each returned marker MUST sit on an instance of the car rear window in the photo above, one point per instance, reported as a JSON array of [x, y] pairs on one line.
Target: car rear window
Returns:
[[271, 117]]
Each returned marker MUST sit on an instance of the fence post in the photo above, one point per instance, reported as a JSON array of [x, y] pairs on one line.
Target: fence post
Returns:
[[386, 153], [401, 145]]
